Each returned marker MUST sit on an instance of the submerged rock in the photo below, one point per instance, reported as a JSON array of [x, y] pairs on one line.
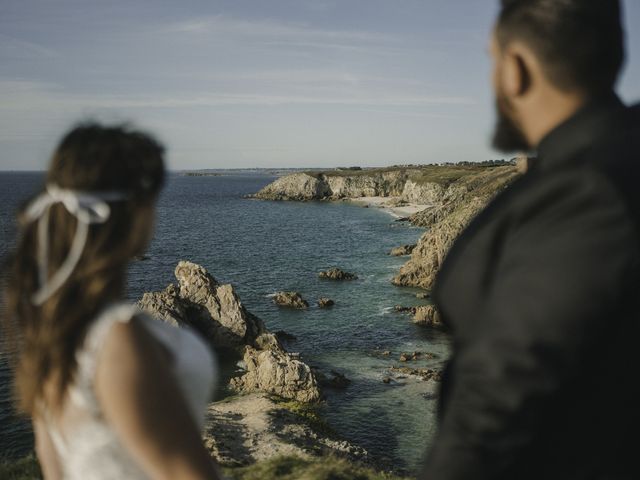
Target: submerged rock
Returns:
[[290, 299], [422, 373], [333, 380], [401, 309], [402, 251], [285, 336], [337, 274]]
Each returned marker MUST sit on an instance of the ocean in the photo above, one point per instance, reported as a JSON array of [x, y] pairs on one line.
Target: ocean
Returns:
[[263, 247]]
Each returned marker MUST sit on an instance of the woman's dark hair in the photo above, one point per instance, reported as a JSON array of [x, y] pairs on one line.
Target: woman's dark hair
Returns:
[[579, 42], [45, 338]]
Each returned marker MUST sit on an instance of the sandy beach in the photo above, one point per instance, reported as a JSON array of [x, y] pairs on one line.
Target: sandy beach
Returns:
[[388, 204]]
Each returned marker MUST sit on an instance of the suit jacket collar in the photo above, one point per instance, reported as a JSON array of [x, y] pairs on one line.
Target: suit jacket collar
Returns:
[[594, 120]]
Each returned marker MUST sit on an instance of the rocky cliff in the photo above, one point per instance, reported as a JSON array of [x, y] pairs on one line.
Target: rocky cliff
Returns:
[[426, 185], [335, 185], [446, 220], [215, 311]]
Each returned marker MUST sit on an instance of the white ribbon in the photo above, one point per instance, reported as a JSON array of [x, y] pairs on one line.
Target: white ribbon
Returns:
[[88, 208]]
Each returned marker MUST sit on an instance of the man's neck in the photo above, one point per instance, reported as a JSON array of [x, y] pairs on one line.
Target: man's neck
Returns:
[[550, 111]]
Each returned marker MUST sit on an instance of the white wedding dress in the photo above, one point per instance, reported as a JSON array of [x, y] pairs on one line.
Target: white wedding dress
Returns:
[[86, 445]]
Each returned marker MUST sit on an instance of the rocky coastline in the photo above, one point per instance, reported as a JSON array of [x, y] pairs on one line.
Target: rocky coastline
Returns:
[[270, 409], [440, 198]]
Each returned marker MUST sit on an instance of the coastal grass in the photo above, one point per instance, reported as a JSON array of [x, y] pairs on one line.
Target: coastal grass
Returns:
[[284, 468], [297, 468], [26, 468], [443, 175], [307, 412]]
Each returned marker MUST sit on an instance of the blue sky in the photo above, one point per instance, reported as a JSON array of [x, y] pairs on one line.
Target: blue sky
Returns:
[[277, 83]]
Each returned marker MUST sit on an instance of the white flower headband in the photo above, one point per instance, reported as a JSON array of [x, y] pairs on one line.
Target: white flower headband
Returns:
[[88, 208]]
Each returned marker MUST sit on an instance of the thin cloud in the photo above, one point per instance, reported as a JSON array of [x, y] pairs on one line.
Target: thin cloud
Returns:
[[27, 95], [225, 25], [16, 49]]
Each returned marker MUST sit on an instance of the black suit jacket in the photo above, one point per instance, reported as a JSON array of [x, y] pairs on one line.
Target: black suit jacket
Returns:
[[542, 294]]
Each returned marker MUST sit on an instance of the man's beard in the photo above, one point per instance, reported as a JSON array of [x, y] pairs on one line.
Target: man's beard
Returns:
[[507, 136]]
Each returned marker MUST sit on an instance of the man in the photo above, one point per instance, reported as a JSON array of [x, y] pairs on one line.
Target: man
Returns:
[[542, 290]]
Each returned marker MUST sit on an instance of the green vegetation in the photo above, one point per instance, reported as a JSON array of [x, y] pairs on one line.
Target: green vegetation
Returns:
[[444, 175], [281, 468], [26, 468], [295, 468], [307, 413]]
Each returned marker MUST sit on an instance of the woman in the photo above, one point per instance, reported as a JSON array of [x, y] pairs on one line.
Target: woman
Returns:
[[112, 393]]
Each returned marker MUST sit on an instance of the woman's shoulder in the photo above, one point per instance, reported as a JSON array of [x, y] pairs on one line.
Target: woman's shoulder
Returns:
[[127, 331]]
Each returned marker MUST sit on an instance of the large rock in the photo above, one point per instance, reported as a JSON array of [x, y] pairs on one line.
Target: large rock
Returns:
[[275, 371], [202, 303], [428, 315], [166, 305], [217, 313]]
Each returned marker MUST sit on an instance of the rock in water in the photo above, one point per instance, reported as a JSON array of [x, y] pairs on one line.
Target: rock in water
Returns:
[[422, 373], [402, 251], [216, 312], [337, 274], [276, 372], [202, 303], [401, 309], [428, 315], [290, 299], [324, 302]]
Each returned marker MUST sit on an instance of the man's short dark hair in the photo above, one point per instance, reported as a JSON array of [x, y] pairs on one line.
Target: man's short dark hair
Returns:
[[580, 43]]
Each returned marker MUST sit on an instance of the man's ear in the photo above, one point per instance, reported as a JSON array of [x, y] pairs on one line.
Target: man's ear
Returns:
[[516, 73]]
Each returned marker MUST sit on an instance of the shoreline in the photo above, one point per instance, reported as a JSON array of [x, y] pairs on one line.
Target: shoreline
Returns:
[[386, 204]]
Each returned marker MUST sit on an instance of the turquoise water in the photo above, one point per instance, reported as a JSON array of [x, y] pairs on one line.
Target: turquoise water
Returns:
[[262, 247]]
